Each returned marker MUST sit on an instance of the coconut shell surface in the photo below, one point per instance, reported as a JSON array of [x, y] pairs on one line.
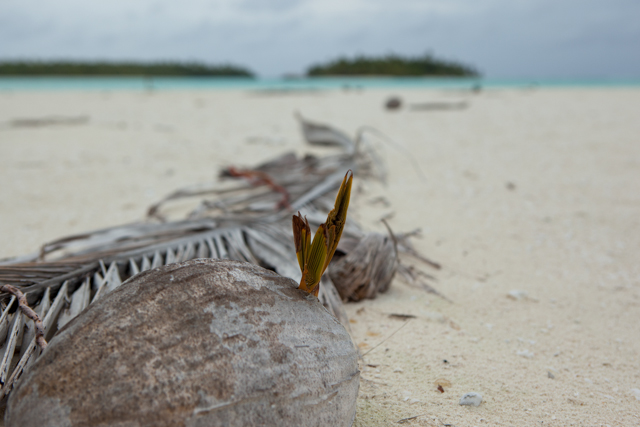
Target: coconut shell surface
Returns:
[[199, 343]]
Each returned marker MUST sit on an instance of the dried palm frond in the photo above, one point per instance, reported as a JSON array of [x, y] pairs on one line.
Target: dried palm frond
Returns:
[[321, 134], [246, 220]]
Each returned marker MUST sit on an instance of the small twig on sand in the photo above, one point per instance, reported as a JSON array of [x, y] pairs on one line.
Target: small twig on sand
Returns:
[[392, 334], [23, 305], [404, 420], [402, 316]]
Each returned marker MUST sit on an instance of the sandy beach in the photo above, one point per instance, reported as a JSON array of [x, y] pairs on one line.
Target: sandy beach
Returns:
[[529, 198]]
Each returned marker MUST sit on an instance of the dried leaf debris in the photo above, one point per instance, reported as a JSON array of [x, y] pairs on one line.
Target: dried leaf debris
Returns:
[[247, 217]]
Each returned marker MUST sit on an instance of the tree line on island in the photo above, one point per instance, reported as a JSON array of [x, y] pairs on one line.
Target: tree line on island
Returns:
[[389, 65], [393, 65], [124, 69]]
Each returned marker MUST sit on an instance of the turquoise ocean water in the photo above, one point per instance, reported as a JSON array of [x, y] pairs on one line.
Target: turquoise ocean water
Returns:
[[203, 83]]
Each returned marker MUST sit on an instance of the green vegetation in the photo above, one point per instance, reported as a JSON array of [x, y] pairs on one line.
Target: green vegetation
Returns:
[[393, 65], [104, 68]]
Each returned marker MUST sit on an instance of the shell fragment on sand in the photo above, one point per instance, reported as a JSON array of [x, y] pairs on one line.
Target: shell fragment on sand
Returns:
[[471, 399]]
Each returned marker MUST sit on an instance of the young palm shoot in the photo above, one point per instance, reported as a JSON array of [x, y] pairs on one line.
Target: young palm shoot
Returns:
[[314, 256]]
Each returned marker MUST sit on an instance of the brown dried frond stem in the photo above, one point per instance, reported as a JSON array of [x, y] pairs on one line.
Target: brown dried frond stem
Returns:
[[23, 305], [261, 178]]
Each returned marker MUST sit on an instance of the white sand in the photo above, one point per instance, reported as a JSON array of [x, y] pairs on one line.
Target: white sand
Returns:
[[568, 234]]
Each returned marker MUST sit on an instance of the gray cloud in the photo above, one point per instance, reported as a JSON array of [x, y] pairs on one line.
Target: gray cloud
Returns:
[[526, 38]]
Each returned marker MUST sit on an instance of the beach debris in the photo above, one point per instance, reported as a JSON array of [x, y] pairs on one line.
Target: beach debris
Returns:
[[510, 186], [404, 420], [525, 353], [257, 178], [321, 134], [266, 140], [442, 383], [23, 305], [636, 393], [435, 106], [550, 375], [243, 218], [518, 295], [393, 103], [366, 269], [443, 424], [389, 336], [49, 121], [356, 279], [471, 399], [314, 257], [440, 389], [203, 342], [401, 316]]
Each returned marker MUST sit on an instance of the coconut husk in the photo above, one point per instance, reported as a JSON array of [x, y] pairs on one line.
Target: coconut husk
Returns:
[[366, 270]]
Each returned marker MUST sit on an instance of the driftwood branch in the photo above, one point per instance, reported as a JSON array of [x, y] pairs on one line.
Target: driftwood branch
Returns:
[[27, 311]]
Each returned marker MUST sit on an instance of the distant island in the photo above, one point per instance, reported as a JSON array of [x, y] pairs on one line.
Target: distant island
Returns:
[[393, 65], [117, 69]]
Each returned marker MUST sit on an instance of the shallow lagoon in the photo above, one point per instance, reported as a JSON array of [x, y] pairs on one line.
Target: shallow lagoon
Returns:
[[282, 84]]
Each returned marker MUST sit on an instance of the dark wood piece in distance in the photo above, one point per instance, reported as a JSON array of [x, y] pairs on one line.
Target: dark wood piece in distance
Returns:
[[393, 103]]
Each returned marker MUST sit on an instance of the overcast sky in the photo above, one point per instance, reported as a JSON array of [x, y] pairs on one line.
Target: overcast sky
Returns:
[[502, 38]]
